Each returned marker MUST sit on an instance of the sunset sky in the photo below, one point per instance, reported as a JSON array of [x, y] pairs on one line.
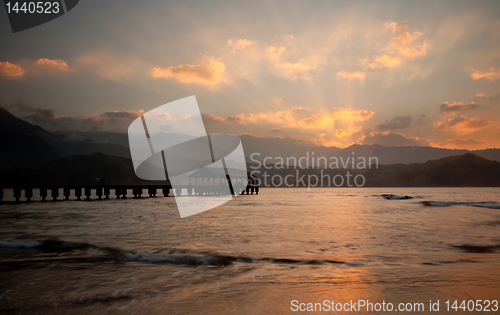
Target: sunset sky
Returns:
[[330, 73]]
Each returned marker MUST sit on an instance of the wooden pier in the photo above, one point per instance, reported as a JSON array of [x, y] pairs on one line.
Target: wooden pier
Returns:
[[103, 192]]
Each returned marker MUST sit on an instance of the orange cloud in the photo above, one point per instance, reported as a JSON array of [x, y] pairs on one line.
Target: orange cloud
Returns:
[[11, 70], [460, 143], [324, 140], [318, 121], [454, 107], [491, 75], [170, 117], [288, 69], [210, 73], [351, 75], [341, 133], [403, 43], [461, 124], [482, 95], [57, 63], [383, 61], [337, 139], [240, 44], [289, 119]]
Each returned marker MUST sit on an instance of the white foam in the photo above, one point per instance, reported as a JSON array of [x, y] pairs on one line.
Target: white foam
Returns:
[[152, 258], [491, 205], [436, 203], [395, 197], [12, 243], [482, 204]]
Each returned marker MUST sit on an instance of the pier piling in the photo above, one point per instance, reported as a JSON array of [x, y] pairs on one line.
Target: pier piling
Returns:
[[120, 191], [124, 192], [67, 193], [43, 193], [166, 191], [17, 193], [78, 193], [98, 192], [152, 192], [28, 193], [54, 193], [88, 192]]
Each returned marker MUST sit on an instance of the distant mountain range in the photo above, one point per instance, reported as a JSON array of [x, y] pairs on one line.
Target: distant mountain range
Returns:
[[31, 154], [274, 147], [466, 170], [24, 145], [455, 171]]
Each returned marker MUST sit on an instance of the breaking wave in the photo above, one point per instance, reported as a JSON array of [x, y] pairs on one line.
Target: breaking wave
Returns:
[[12, 243], [394, 197], [100, 253], [478, 248], [481, 204]]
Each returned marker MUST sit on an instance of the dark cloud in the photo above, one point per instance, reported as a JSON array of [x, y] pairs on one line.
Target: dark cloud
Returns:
[[397, 123], [421, 119], [391, 139], [109, 121], [34, 111], [454, 107], [48, 119]]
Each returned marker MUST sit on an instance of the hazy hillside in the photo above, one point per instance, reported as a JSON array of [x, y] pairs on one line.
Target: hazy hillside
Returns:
[[466, 170], [458, 171], [285, 147], [25, 145], [22, 143], [274, 147]]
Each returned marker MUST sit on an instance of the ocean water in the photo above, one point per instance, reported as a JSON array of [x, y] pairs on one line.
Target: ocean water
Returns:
[[253, 255]]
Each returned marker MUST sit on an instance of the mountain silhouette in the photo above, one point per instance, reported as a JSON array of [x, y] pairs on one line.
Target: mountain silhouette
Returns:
[[22, 143], [274, 147], [466, 170], [25, 145], [30, 154]]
